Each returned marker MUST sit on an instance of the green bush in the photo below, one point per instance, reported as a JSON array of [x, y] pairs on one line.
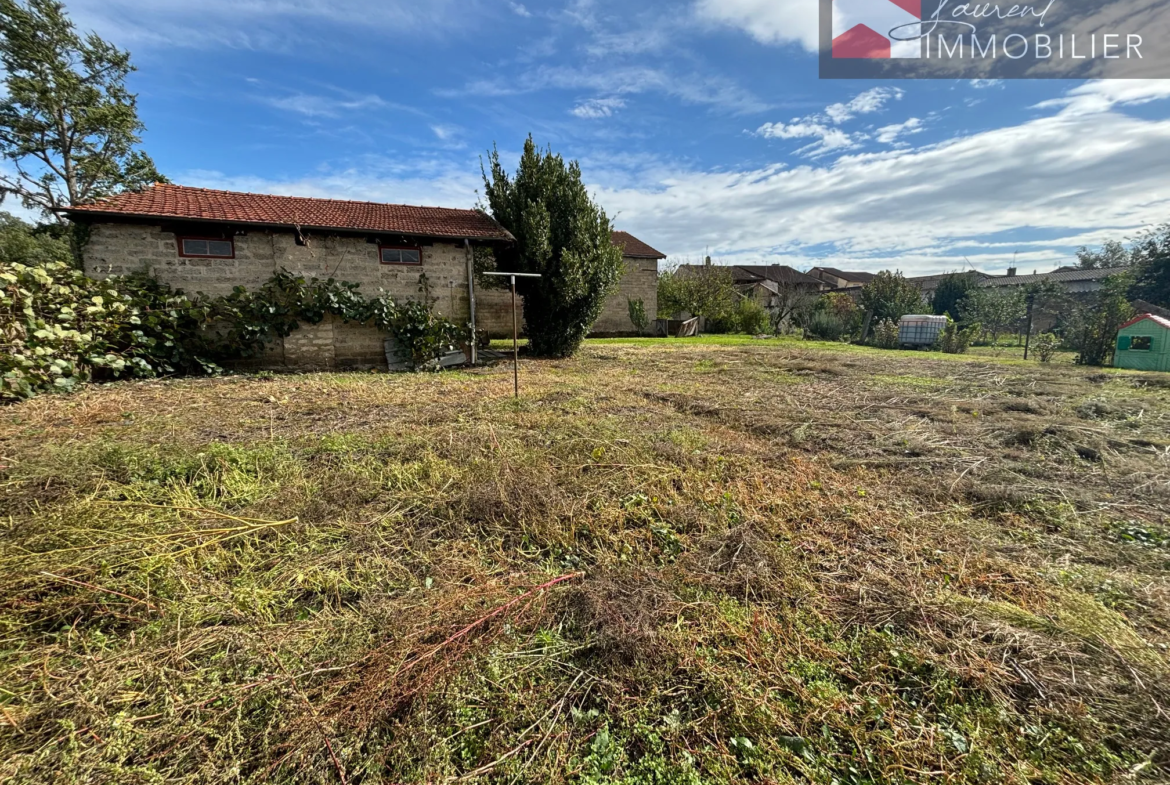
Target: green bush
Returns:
[[956, 341], [827, 326], [885, 335], [1046, 346], [59, 328], [638, 317], [752, 318]]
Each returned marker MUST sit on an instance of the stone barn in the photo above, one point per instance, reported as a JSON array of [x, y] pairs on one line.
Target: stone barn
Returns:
[[639, 282], [209, 241]]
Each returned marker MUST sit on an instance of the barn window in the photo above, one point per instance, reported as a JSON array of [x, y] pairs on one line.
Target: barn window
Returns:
[[400, 254], [212, 247], [1141, 343]]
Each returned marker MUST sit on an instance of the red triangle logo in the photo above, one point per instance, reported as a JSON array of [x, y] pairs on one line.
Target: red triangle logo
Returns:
[[861, 42]]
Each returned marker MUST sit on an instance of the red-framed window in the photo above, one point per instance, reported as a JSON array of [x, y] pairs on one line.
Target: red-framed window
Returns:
[[207, 247], [399, 254]]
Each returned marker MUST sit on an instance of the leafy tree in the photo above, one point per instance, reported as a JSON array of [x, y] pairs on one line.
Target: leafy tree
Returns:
[[951, 292], [790, 304], [24, 244], [701, 290], [563, 236], [1151, 271], [997, 309], [1111, 254], [68, 125], [890, 296], [1092, 323]]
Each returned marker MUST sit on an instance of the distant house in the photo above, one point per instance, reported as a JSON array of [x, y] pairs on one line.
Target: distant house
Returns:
[[1073, 279], [927, 284], [840, 279], [1143, 344], [202, 240], [773, 286]]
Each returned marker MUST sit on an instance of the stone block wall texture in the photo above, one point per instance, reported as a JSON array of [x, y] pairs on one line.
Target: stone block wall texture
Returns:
[[493, 307], [118, 249]]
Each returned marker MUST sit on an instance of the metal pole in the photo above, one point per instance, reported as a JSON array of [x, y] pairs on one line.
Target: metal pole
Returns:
[[471, 299], [1028, 337], [515, 349]]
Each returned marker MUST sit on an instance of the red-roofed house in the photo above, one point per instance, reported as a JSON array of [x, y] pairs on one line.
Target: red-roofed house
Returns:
[[210, 241]]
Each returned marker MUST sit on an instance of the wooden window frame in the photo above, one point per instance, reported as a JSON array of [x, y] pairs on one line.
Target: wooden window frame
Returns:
[[182, 238], [394, 247]]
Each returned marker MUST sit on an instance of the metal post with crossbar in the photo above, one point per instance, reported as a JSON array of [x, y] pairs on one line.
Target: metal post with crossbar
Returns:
[[515, 328]]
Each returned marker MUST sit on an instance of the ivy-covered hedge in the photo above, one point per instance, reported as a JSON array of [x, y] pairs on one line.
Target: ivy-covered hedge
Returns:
[[59, 328]]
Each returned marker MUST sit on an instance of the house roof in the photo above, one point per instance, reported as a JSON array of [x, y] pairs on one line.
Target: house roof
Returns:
[[929, 279], [1062, 276], [181, 202], [778, 273], [633, 247], [853, 277], [1156, 319]]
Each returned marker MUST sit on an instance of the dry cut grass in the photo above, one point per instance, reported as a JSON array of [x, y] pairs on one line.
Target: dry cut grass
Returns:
[[703, 564]]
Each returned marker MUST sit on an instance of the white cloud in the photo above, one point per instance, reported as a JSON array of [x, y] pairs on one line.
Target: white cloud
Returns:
[[767, 21], [324, 105], [823, 126], [864, 103], [520, 10], [445, 133], [1104, 94], [596, 108], [828, 138], [1064, 178], [714, 91], [891, 133], [283, 25]]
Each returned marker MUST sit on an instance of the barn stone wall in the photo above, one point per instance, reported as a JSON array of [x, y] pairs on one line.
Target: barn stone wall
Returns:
[[116, 249], [493, 307]]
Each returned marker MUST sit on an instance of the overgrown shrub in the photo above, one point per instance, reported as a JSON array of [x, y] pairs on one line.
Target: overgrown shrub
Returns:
[[59, 328], [827, 326], [957, 341], [752, 318], [638, 318], [885, 335], [1046, 346]]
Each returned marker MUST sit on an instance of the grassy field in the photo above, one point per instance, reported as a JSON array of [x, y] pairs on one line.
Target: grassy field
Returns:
[[668, 562]]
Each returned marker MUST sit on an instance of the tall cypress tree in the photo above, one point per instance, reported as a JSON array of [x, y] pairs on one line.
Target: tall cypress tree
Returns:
[[561, 234]]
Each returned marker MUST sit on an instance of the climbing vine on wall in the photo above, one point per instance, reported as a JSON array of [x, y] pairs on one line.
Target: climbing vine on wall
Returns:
[[59, 328]]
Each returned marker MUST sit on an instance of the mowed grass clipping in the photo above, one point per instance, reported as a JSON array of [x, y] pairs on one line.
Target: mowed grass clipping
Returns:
[[697, 563]]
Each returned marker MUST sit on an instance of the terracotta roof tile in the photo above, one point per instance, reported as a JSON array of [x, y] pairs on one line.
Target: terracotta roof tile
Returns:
[[203, 204], [632, 246]]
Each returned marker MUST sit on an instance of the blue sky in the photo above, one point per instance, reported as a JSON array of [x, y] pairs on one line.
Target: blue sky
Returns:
[[701, 125]]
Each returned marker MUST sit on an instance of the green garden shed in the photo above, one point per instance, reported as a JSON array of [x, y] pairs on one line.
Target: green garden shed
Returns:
[[1143, 344]]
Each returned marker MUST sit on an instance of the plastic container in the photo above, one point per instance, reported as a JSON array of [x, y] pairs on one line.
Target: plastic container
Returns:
[[920, 330]]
